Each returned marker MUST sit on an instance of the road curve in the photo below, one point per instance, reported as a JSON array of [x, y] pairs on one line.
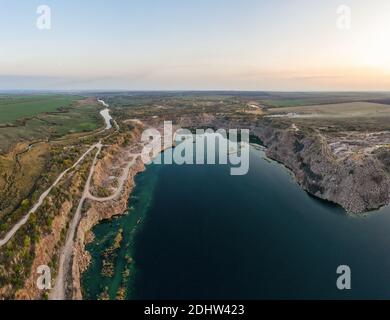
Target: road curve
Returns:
[[122, 181], [58, 292], [43, 196]]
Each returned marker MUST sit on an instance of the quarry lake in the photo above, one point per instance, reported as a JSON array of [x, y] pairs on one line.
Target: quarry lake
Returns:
[[196, 232]]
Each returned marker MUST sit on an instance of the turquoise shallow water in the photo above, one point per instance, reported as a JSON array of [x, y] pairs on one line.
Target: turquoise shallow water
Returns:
[[195, 232]]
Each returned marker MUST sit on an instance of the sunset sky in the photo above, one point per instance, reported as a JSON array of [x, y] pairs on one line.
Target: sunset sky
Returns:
[[282, 45]]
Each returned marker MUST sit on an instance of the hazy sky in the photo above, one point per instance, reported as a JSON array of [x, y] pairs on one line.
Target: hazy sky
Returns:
[[195, 44]]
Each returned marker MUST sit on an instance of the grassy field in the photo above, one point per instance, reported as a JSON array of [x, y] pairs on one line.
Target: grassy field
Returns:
[[17, 178], [16, 107], [282, 100], [78, 117], [336, 118], [339, 110], [56, 138]]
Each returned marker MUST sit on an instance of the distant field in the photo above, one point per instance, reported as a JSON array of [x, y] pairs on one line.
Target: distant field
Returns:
[[16, 107], [344, 110], [286, 103], [80, 117], [283, 100], [353, 116]]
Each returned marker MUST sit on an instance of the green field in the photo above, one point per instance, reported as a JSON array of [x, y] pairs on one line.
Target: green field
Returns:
[[40, 122], [16, 107]]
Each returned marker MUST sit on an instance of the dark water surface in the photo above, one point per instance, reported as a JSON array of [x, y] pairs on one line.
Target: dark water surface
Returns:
[[196, 232]]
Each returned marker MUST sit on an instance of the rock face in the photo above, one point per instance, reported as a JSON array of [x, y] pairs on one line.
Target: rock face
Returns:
[[357, 183], [96, 213]]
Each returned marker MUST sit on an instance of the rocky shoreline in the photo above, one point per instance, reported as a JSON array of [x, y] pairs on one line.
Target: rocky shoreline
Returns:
[[96, 213], [358, 185], [359, 182]]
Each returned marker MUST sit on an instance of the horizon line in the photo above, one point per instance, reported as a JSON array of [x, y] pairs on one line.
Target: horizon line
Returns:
[[2, 91]]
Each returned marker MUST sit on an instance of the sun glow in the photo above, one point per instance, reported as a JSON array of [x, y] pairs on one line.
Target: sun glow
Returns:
[[376, 52], [373, 39]]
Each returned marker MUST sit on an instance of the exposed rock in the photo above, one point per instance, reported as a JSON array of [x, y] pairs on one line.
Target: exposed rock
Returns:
[[359, 180], [98, 212], [358, 184]]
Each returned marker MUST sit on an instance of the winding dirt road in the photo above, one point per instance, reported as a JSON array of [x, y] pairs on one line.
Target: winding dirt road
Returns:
[[43, 196], [65, 263], [65, 259], [106, 115], [58, 292], [122, 181]]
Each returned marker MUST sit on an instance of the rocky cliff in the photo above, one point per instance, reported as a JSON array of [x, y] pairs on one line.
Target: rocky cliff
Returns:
[[359, 182]]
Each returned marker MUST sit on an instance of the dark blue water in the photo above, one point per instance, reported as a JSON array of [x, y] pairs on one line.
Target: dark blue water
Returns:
[[196, 232]]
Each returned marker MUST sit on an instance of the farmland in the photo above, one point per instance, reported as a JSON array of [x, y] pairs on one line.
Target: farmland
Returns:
[[32, 118], [41, 140], [16, 107]]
